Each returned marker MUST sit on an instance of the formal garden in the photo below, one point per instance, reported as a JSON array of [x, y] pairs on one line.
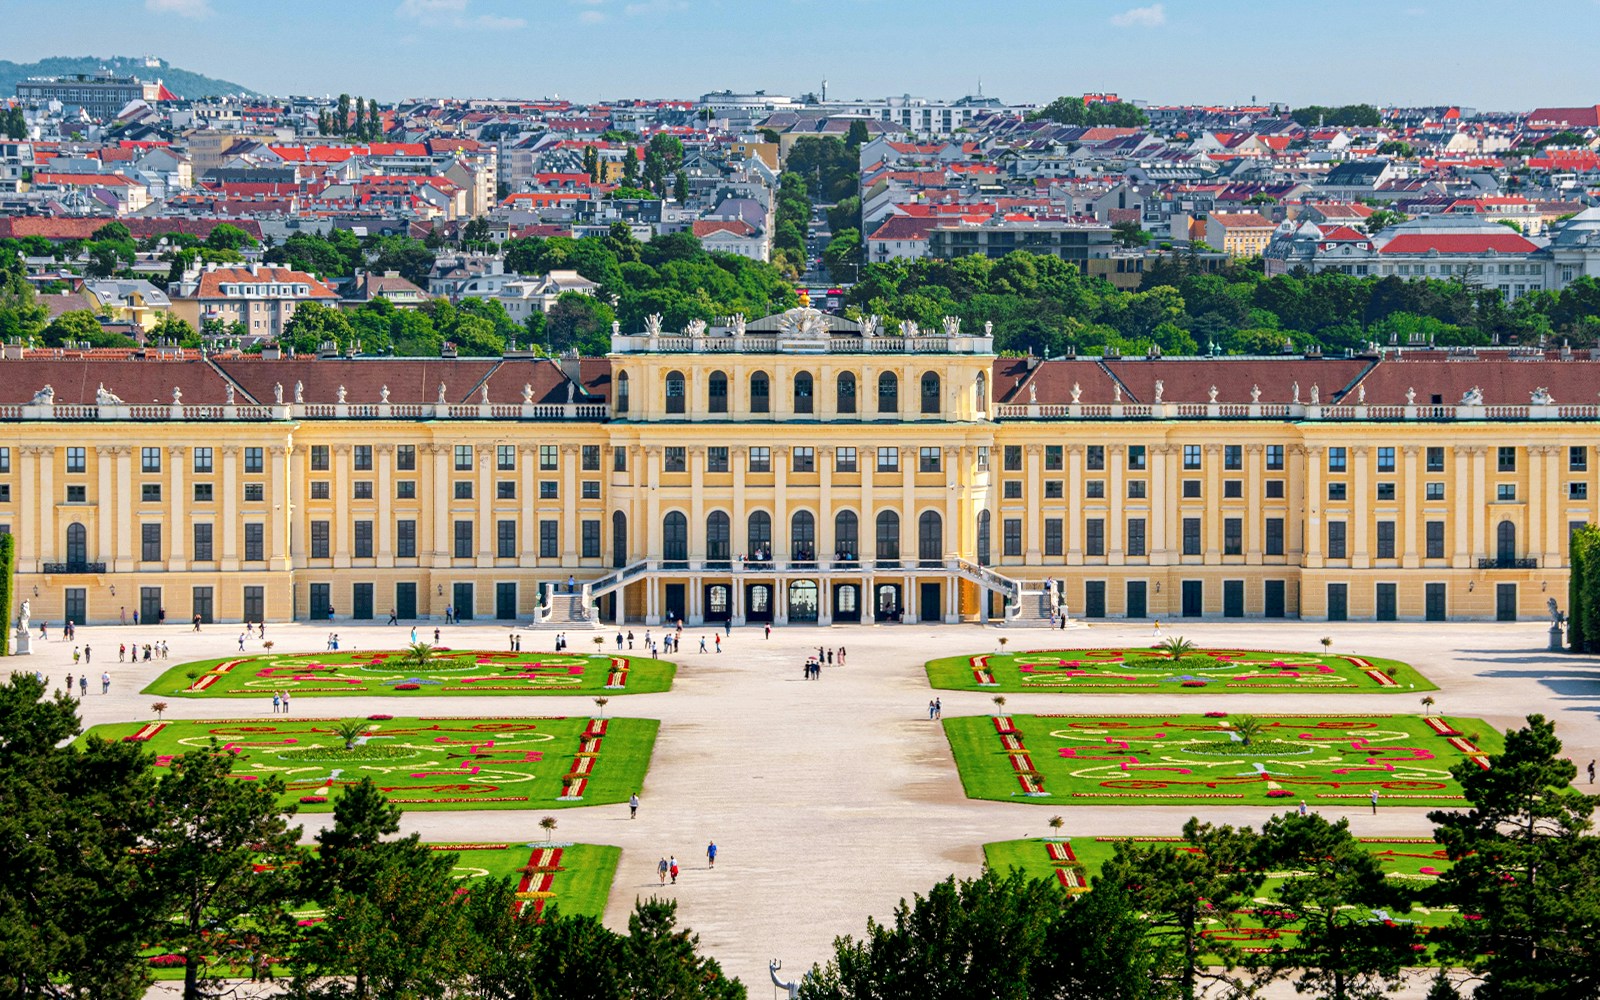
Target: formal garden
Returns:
[[426, 763], [1175, 666], [1216, 758], [414, 670]]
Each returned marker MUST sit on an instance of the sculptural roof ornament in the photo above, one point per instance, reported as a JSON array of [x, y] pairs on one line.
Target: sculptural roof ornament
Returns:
[[803, 323]]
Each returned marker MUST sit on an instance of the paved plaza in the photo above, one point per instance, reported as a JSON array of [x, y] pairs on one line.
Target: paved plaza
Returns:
[[832, 799]]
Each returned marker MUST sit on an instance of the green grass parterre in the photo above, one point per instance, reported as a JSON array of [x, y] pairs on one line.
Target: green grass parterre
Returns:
[[381, 672], [1331, 761], [1201, 671], [423, 763]]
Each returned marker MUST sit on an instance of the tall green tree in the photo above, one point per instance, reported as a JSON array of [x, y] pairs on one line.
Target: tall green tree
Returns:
[[222, 853], [21, 315], [662, 962], [1525, 872], [1583, 590]]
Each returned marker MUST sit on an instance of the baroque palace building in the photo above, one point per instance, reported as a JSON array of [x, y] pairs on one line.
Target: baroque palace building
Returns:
[[798, 468]]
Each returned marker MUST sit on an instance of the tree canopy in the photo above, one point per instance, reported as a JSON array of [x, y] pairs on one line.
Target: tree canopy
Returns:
[[1076, 111]]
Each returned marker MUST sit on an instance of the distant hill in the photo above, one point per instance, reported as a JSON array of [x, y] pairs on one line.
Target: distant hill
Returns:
[[180, 81]]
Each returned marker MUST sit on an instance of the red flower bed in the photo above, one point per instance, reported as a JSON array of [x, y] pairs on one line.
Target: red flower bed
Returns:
[[1193, 684], [408, 687], [1279, 793], [168, 961], [379, 718], [313, 799], [1216, 715]]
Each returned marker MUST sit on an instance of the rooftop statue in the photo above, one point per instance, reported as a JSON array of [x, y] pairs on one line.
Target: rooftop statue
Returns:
[[736, 324], [1472, 397], [1255, 394], [383, 395], [652, 325], [527, 393], [1541, 397], [1211, 394], [227, 389], [105, 397], [803, 323], [1411, 397], [277, 393], [1160, 388], [442, 400], [695, 328], [908, 328], [177, 395], [343, 392], [871, 326], [299, 392], [952, 326]]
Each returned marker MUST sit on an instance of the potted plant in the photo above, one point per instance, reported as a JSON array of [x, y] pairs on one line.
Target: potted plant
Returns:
[[1327, 643], [1176, 647], [158, 708], [350, 730], [1427, 704], [1056, 822], [267, 645], [999, 705], [601, 702], [1003, 641], [598, 641], [1248, 727], [548, 825]]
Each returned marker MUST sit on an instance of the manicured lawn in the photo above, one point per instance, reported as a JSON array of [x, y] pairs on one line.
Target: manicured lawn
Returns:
[[429, 763], [1328, 760], [381, 672], [1073, 862], [1202, 671]]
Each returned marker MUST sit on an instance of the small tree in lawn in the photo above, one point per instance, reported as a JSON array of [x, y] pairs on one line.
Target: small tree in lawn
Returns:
[[1176, 647], [999, 704], [158, 708], [601, 702], [1427, 704], [548, 825], [1056, 823], [416, 657], [350, 730], [1327, 643], [598, 641], [1248, 727], [1003, 641]]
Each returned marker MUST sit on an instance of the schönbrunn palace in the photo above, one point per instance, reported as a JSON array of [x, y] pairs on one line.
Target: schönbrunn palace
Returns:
[[798, 468]]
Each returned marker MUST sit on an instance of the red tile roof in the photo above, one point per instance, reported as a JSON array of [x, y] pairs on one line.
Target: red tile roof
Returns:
[[1462, 243], [707, 227], [211, 282], [136, 381]]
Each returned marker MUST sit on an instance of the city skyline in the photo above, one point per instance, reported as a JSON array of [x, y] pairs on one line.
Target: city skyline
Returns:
[[1176, 51]]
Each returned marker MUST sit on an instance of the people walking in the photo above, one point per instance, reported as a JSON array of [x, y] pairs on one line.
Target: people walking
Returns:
[[1591, 772], [702, 644], [661, 871], [1303, 809], [718, 639], [769, 630], [930, 709], [711, 853], [938, 708], [673, 869], [83, 685], [241, 642], [105, 682], [1374, 797], [394, 619], [633, 805]]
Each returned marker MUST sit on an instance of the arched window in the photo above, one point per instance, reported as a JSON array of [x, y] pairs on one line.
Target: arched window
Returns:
[[888, 536], [718, 537], [760, 536], [802, 392], [619, 538], [888, 393], [759, 389], [930, 537], [1506, 542], [930, 392], [675, 400], [846, 538], [622, 393], [803, 601], [983, 538], [982, 387], [77, 543], [847, 393], [802, 537], [717, 393], [675, 537]]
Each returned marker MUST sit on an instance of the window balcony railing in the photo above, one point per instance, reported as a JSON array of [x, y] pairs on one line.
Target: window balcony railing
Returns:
[[75, 567], [1508, 564]]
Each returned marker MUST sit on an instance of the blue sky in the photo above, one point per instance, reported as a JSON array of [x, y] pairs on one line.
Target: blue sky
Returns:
[[1488, 55]]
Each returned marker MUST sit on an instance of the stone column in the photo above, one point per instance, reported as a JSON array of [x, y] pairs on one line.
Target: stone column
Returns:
[[1408, 521], [1162, 510], [569, 505], [527, 507], [383, 454], [1360, 508], [1213, 519], [827, 542], [1316, 497], [341, 505], [443, 542], [781, 529], [697, 514], [105, 505], [299, 530], [1253, 521], [181, 527], [652, 523], [28, 504], [739, 528], [1460, 490], [1034, 487], [1116, 522], [484, 459], [45, 538], [1538, 457]]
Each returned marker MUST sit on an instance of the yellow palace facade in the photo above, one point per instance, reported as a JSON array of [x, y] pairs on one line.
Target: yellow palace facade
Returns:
[[796, 468]]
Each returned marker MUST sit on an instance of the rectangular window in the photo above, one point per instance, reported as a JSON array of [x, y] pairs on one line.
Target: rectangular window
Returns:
[[150, 542], [1578, 458], [319, 540], [1578, 491], [804, 459], [1232, 489], [463, 539], [255, 541], [548, 490], [1386, 459], [1233, 457], [983, 458], [591, 458], [1274, 536], [674, 458], [760, 459], [1191, 536], [1052, 458], [717, 458], [202, 460], [362, 489], [1435, 459], [202, 543], [591, 489], [1274, 457], [1337, 491], [1055, 489], [1232, 536], [505, 539], [1011, 536], [203, 493], [549, 547], [928, 459], [505, 457], [1386, 491], [363, 540], [405, 539], [150, 493], [1505, 491], [1337, 460], [5, 497], [1011, 489], [149, 460], [548, 457], [889, 459], [1136, 536], [1434, 491], [405, 489], [255, 492], [1191, 456], [1136, 456], [1385, 540], [505, 489], [619, 460], [1136, 489], [463, 453], [1094, 489], [463, 489], [1434, 535], [319, 458], [77, 494], [1191, 489], [5, 459], [1094, 457], [1274, 489], [1094, 536], [591, 539], [1052, 536], [844, 460], [1013, 458], [1506, 458], [405, 457], [1336, 540]]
